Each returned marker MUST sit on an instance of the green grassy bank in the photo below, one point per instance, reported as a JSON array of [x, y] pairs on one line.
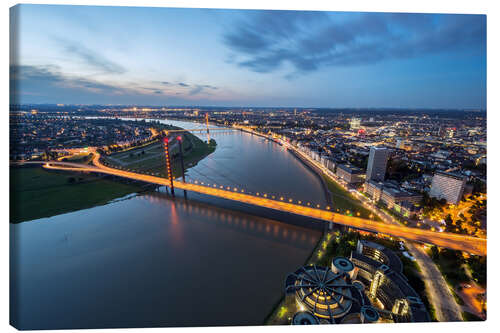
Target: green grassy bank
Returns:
[[37, 193], [344, 201], [151, 158]]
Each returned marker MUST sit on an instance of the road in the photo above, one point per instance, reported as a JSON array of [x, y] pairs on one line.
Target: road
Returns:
[[438, 290], [439, 294], [468, 244], [469, 293]]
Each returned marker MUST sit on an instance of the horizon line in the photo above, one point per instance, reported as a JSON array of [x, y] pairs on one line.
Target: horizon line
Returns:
[[467, 109]]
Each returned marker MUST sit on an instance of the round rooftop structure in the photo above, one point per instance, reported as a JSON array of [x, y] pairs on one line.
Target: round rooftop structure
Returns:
[[342, 265], [321, 291], [304, 318]]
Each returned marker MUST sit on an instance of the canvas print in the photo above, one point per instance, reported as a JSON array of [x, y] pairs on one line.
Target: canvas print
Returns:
[[174, 167]]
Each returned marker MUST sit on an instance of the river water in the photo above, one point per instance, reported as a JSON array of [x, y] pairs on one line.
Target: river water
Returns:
[[153, 260]]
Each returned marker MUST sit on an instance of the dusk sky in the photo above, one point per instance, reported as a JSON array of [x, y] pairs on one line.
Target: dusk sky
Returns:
[[168, 56]]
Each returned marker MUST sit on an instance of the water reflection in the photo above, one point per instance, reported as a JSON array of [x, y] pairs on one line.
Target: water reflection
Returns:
[[256, 226], [152, 260], [138, 257], [255, 164]]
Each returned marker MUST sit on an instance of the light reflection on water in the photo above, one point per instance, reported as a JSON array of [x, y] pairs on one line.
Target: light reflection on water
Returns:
[[151, 260]]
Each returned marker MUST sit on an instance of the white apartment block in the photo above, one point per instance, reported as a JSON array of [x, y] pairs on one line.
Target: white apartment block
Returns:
[[447, 186]]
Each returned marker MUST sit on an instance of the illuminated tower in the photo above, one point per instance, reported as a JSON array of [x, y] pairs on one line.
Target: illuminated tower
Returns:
[[169, 164], [355, 123], [208, 131]]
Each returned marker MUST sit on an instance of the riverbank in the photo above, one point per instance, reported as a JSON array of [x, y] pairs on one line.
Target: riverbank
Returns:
[[37, 193], [337, 197], [328, 194], [316, 171], [151, 158]]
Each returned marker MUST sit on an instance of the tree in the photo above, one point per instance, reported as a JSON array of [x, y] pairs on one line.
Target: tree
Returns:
[[434, 252], [449, 222]]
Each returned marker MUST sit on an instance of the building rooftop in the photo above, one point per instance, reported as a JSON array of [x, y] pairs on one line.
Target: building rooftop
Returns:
[[350, 169], [450, 175]]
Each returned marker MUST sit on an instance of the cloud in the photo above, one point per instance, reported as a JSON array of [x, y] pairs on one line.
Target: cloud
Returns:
[[91, 58], [194, 89], [199, 88], [49, 81], [266, 40], [49, 84]]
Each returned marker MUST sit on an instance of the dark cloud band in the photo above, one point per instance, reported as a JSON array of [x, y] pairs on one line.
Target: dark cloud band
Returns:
[[311, 40]]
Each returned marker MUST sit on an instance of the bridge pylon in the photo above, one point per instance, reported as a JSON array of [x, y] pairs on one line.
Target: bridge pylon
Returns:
[[170, 174], [179, 139], [208, 131]]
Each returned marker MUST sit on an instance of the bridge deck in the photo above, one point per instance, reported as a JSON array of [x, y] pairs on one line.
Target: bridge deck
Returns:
[[202, 129], [469, 244]]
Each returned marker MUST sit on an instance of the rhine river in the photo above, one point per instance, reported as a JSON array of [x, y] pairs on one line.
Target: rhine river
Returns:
[[151, 260]]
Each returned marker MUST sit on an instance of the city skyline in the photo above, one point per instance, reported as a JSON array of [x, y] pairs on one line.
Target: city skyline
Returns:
[[173, 56], [191, 167]]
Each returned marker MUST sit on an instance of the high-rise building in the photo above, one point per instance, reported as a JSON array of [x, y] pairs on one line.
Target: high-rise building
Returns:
[[447, 186], [377, 163]]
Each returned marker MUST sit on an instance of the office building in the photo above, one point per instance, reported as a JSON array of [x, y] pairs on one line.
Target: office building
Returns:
[[374, 189], [377, 163], [325, 295], [368, 287], [349, 174], [381, 271], [393, 196], [390, 194], [447, 186]]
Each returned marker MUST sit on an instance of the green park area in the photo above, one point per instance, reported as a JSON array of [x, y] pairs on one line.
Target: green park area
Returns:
[[151, 158], [461, 270], [36, 193], [457, 268]]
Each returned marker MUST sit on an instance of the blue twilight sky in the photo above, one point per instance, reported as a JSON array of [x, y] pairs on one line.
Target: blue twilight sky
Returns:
[[171, 56]]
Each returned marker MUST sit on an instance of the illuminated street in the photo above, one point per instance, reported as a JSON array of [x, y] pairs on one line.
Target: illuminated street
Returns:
[[329, 165], [468, 244]]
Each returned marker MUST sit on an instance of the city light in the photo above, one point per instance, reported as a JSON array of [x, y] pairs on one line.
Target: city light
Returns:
[[411, 178]]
